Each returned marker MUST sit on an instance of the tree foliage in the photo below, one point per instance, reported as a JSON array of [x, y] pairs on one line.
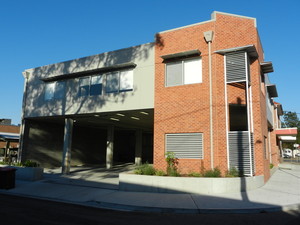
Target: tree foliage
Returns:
[[290, 119]]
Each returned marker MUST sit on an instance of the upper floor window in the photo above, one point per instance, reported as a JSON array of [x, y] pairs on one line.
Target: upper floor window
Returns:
[[119, 81], [55, 90], [188, 71], [90, 85]]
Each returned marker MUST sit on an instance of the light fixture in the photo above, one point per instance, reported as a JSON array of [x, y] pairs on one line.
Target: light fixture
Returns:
[[96, 115], [120, 114], [115, 119], [145, 113], [135, 118]]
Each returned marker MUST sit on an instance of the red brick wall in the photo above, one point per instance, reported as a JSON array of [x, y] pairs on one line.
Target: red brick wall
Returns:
[[9, 129], [185, 108], [181, 109]]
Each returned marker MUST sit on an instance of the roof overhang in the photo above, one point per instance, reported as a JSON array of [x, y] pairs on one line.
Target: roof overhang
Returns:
[[272, 90], [287, 134], [279, 108], [293, 131], [266, 67], [9, 137], [287, 138], [250, 49], [190, 53]]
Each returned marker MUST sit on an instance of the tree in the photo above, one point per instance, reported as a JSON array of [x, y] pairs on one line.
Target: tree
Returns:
[[290, 119]]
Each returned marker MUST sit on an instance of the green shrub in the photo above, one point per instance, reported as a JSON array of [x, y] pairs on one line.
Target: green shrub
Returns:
[[233, 172], [173, 172], [212, 173], [29, 163], [160, 173], [194, 174], [145, 169], [271, 165], [172, 163]]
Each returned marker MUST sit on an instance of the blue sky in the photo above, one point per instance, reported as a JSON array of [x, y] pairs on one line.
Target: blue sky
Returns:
[[34, 33]]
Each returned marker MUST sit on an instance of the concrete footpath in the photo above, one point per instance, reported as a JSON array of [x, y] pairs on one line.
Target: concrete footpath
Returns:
[[100, 189]]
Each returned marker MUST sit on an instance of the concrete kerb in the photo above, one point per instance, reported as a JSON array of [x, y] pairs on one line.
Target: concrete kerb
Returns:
[[130, 208], [105, 203]]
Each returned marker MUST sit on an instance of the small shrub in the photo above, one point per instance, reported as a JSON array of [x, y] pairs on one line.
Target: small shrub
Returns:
[[271, 165], [29, 163], [145, 169], [18, 164], [233, 172], [173, 172], [160, 173], [194, 174], [172, 163], [212, 173]]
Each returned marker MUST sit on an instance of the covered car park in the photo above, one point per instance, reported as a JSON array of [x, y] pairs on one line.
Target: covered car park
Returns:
[[90, 139]]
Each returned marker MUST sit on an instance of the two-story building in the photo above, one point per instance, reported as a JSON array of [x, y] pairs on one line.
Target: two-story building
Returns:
[[200, 91]]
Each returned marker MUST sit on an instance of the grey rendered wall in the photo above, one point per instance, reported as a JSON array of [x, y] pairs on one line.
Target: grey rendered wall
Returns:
[[88, 147], [41, 145], [142, 97]]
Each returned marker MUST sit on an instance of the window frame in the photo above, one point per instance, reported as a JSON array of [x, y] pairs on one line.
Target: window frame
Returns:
[[96, 88], [183, 72], [54, 95], [118, 88], [90, 85]]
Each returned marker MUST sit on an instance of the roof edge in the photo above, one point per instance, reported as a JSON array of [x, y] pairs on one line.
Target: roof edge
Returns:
[[214, 13]]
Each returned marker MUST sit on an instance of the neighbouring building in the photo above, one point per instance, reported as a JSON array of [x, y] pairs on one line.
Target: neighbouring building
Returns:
[[200, 91], [9, 139]]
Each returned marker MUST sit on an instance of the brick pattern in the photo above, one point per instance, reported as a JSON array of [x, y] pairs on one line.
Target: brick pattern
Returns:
[[185, 108]]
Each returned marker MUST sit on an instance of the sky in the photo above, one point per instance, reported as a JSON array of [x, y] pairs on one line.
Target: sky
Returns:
[[34, 33]]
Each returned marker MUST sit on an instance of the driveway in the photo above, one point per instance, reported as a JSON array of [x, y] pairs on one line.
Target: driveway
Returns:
[[89, 176]]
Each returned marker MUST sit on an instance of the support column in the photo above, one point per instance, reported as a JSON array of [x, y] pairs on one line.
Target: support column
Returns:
[[110, 147], [138, 147], [21, 141], [68, 133], [6, 153]]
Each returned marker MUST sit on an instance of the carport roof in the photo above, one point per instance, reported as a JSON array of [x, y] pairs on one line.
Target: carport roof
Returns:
[[128, 119], [9, 137]]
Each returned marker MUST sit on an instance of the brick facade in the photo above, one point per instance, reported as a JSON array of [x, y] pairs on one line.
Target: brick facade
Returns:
[[185, 108]]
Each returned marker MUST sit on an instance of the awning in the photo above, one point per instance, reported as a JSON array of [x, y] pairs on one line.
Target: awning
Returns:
[[13, 137], [279, 108], [189, 53], [287, 134], [250, 49], [272, 90], [266, 67], [89, 72], [287, 138]]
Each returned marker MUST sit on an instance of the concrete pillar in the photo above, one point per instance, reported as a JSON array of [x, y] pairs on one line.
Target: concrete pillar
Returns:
[[110, 147], [6, 153], [21, 140], [138, 146], [68, 133]]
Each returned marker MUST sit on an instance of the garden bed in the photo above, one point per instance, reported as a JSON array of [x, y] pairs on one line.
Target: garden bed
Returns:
[[194, 185]]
